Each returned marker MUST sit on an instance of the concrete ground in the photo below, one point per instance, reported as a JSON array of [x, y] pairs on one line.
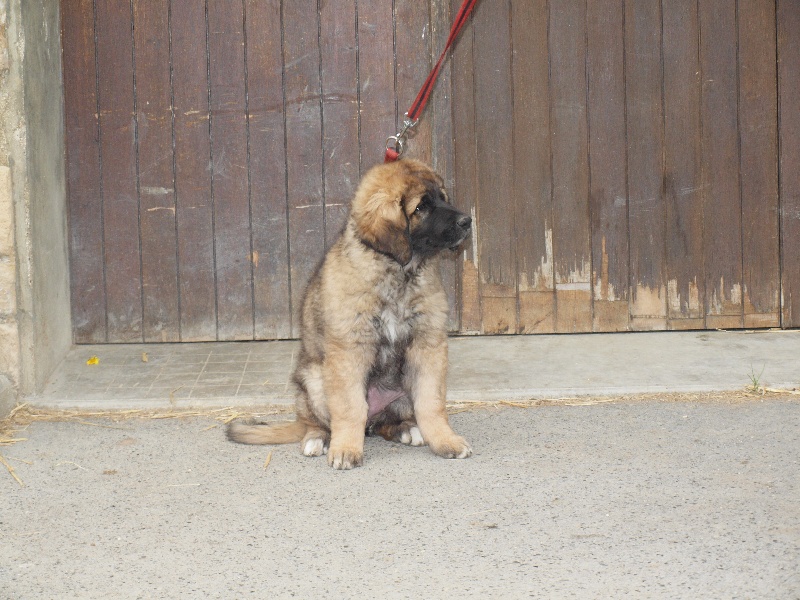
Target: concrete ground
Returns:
[[693, 496], [481, 369]]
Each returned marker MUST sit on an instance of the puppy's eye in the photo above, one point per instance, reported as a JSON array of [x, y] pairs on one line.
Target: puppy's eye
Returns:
[[424, 203]]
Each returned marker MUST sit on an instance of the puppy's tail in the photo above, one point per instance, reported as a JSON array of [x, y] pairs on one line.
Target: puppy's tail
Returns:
[[246, 432]]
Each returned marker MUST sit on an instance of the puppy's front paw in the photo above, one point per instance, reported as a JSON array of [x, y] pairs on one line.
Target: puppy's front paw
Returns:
[[344, 458], [453, 447]]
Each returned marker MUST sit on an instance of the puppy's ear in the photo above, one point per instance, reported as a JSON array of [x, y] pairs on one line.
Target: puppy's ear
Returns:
[[382, 225]]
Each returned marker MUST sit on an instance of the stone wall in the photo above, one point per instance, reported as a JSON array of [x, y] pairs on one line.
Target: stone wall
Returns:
[[34, 276], [9, 118], [43, 304]]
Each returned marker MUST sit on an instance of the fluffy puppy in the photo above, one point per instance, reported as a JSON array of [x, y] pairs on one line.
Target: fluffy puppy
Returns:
[[373, 355]]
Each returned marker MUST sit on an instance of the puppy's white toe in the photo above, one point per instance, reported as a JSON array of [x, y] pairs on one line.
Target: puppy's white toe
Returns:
[[465, 453], [314, 447], [416, 436]]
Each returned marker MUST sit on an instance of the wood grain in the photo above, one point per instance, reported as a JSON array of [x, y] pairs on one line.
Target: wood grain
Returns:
[[412, 34], [571, 227], [269, 222], [722, 208], [84, 203], [339, 71], [789, 102], [627, 165], [682, 167], [194, 208], [532, 173], [118, 183], [301, 62], [377, 104], [465, 160], [229, 171], [608, 198], [494, 134], [645, 141], [157, 211], [442, 147], [758, 121]]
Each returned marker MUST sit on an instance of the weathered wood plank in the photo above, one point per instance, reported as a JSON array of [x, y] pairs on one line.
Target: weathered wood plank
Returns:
[[421, 31], [534, 135], [85, 208], [789, 102], [645, 139], [442, 148], [532, 175], [229, 175], [465, 174], [375, 79], [339, 110], [758, 121], [413, 63], [118, 152], [494, 135], [682, 172], [270, 257], [720, 151], [157, 213], [195, 232], [571, 227], [301, 62], [607, 164]]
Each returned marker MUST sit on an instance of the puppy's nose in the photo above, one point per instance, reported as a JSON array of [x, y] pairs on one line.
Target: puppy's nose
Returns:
[[464, 222]]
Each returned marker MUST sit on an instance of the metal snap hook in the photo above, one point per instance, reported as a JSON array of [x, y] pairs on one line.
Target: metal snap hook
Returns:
[[396, 143]]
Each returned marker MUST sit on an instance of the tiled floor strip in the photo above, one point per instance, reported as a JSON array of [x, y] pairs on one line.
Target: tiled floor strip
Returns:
[[161, 375]]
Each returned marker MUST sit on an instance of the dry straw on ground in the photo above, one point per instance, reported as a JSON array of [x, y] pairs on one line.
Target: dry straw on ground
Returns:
[[745, 395], [24, 414], [12, 428]]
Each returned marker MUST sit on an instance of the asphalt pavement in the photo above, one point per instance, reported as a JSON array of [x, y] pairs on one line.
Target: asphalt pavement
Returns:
[[643, 499]]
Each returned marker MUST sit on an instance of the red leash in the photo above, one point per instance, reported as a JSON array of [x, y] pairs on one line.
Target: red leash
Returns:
[[396, 143]]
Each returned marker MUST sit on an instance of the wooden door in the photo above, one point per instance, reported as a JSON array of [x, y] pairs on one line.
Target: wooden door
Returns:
[[630, 165], [627, 165]]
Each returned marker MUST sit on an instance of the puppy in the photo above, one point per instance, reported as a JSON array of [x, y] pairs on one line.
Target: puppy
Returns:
[[373, 355]]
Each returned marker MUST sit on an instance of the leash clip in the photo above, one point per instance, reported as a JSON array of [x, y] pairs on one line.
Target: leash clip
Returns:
[[408, 127], [397, 142]]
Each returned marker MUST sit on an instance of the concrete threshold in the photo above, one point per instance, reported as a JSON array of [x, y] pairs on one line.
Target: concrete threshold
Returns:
[[487, 368]]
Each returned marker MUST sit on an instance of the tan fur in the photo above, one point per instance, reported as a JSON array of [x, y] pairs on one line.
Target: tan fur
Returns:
[[374, 315], [277, 433]]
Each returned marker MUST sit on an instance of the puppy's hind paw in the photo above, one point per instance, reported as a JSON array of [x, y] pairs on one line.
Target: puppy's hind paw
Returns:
[[314, 447], [406, 433], [411, 436], [315, 443]]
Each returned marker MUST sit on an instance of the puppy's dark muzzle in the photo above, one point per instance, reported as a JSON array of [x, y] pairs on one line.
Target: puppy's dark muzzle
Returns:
[[463, 225]]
